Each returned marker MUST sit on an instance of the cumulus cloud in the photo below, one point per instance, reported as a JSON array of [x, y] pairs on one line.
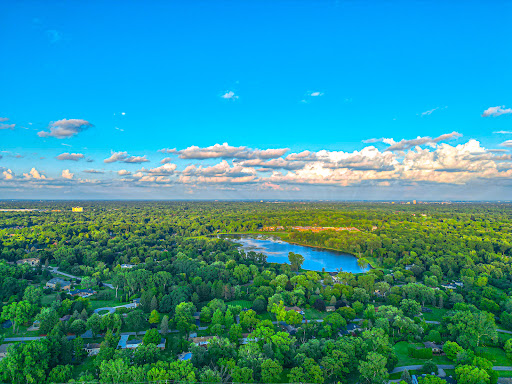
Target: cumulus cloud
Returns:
[[65, 128], [166, 160], [123, 172], [34, 174], [166, 169], [123, 157], [407, 144], [316, 94], [229, 95], [507, 143], [226, 151], [70, 156], [219, 173], [8, 174], [384, 140], [496, 111], [7, 126], [3, 119], [504, 132], [93, 171], [67, 175]]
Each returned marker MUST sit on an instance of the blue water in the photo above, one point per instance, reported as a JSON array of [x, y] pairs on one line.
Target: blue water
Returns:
[[315, 258]]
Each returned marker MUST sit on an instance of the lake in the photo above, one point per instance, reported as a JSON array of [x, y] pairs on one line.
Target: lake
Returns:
[[277, 250]]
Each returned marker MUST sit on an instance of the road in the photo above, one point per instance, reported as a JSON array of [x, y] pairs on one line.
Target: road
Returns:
[[56, 270], [113, 309], [27, 338], [416, 367]]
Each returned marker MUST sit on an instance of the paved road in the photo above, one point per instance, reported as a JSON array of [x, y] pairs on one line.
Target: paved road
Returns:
[[416, 367], [56, 270], [113, 309], [27, 338], [503, 331]]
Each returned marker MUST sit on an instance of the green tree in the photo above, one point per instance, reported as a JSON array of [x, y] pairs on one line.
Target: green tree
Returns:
[[164, 325], [296, 260], [154, 317], [151, 337], [184, 316], [373, 370], [60, 374], [468, 374], [271, 371]]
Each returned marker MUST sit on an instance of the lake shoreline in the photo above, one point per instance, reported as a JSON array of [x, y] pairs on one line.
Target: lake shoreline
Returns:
[[281, 237]]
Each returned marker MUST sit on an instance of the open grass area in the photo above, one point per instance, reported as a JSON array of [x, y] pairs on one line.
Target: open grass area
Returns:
[[86, 366], [504, 336], [494, 354], [48, 299], [266, 316], [436, 314], [313, 314], [403, 358], [106, 303], [242, 303]]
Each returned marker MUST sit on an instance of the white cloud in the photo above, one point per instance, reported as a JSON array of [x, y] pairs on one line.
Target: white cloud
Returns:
[[229, 95], [166, 160], [123, 172], [93, 171], [507, 143], [34, 174], [65, 128], [166, 169], [427, 140], [3, 119], [70, 156], [225, 151], [388, 141], [7, 126], [8, 174], [123, 157], [496, 111], [316, 94], [67, 175], [504, 132]]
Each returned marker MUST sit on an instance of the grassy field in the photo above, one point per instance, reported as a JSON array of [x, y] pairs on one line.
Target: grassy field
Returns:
[[494, 354], [48, 299], [313, 314], [436, 314], [242, 303], [403, 358], [106, 303]]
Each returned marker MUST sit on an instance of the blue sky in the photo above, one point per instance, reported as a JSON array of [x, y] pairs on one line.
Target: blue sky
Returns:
[[317, 76]]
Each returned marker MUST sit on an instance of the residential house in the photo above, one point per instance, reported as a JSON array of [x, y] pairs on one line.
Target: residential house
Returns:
[[351, 329], [129, 266], [82, 292], [330, 308], [133, 344], [161, 345], [3, 350], [290, 329], [201, 341], [32, 261], [136, 302], [57, 281], [437, 349], [296, 309], [65, 318], [92, 349]]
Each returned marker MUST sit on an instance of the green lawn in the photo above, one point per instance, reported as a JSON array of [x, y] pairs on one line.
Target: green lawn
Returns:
[[494, 354], [242, 303], [313, 314], [266, 316], [436, 314], [403, 359], [504, 336], [48, 299], [106, 303]]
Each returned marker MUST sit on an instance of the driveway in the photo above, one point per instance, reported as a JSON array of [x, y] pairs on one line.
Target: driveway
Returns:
[[23, 338], [113, 309], [416, 367]]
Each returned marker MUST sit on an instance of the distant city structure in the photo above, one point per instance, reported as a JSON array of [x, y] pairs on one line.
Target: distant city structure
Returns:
[[77, 209], [33, 262], [414, 201]]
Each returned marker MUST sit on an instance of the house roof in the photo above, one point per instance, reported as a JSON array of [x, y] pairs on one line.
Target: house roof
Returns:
[[77, 291], [58, 280], [92, 345]]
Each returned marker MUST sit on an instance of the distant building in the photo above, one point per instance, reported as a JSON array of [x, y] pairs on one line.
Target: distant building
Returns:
[[414, 201], [127, 265], [201, 341], [33, 262], [82, 292], [3, 350], [330, 308], [132, 344], [77, 209], [65, 318], [161, 345], [64, 284], [92, 349], [296, 309]]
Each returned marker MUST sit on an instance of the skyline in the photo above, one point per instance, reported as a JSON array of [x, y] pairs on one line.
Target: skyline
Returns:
[[287, 100]]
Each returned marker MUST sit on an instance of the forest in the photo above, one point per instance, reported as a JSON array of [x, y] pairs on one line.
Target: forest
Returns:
[[135, 292]]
